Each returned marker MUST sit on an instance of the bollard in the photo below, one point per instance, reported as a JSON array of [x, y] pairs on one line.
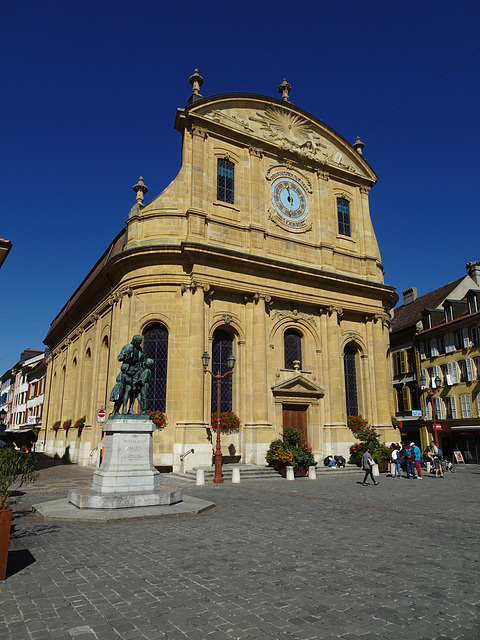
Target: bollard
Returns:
[[290, 475], [312, 473], [200, 477], [235, 475]]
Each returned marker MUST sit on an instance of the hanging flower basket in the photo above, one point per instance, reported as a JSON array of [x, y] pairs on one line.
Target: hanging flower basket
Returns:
[[56, 426], [158, 418], [80, 423], [229, 422], [67, 424]]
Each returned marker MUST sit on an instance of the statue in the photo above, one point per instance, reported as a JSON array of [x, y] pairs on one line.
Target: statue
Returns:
[[132, 381]]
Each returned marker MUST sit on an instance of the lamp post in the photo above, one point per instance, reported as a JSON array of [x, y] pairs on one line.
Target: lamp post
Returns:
[[218, 479], [431, 392]]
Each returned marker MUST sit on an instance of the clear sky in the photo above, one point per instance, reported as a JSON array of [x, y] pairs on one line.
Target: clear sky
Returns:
[[89, 94]]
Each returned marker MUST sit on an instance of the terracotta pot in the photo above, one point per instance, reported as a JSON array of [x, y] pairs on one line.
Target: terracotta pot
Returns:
[[5, 524]]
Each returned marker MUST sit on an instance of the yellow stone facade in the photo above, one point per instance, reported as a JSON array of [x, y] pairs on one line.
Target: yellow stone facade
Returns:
[[195, 263]]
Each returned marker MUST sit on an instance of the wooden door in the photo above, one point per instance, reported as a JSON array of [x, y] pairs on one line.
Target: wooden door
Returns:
[[295, 416]]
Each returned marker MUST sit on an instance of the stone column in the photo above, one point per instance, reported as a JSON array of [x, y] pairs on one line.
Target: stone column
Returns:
[[259, 359], [196, 347]]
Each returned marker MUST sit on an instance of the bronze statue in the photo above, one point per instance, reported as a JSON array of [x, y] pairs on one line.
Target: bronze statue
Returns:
[[132, 381]]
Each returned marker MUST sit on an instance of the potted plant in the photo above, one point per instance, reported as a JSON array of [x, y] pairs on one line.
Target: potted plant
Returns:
[[369, 440], [67, 424], [15, 468], [80, 423], [292, 451], [56, 426]]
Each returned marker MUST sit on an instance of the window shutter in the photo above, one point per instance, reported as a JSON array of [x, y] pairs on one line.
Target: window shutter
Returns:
[[433, 346], [422, 351], [449, 343], [469, 366], [465, 406], [439, 410], [437, 372], [407, 405], [452, 372], [478, 405], [403, 361], [453, 407], [466, 340], [424, 379], [428, 410]]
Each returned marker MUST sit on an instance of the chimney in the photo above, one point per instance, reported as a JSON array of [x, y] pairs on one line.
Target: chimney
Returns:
[[410, 295], [473, 270]]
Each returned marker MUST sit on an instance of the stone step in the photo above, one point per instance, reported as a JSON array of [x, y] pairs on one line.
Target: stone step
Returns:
[[257, 472]]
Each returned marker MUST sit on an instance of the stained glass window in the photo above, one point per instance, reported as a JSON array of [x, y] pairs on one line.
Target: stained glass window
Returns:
[[343, 211], [155, 346], [221, 350], [292, 343], [225, 180], [350, 381]]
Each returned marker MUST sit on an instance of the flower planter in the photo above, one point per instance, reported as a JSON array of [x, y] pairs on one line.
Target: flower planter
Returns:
[[383, 467], [5, 524], [281, 467]]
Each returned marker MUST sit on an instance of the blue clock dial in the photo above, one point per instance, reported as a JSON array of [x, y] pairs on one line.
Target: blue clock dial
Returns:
[[289, 199]]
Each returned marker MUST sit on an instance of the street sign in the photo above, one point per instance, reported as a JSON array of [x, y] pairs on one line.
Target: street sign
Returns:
[[101, 413], [438, 427], [416, 413]]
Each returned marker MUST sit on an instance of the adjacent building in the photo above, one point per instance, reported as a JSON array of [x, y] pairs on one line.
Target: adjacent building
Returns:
[[435, 345], [262, 247]]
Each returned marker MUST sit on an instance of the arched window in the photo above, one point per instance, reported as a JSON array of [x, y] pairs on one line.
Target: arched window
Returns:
[[225, 180], [350, 368], [155, 346], [292, 347], [343, 213], [222, 347]]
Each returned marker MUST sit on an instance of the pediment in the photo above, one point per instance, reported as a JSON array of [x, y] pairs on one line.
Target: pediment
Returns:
[[298, 387], [286, 127]]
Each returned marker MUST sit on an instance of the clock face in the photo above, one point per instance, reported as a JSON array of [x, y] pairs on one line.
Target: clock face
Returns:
[[289, 199]]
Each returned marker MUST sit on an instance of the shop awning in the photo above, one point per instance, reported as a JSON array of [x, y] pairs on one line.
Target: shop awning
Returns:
[[466, 427]]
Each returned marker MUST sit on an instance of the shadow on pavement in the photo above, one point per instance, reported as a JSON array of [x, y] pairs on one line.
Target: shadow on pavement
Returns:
[[18, 560], [45, 462]]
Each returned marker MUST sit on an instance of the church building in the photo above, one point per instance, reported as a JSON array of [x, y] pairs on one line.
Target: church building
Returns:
[[262, 247]]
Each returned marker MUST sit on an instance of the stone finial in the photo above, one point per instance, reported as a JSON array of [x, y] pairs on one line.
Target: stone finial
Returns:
[[358, 145], [140, 189], [284, 89], [196, 81]]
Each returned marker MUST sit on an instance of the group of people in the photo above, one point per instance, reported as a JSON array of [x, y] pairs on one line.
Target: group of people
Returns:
[[411, 456]]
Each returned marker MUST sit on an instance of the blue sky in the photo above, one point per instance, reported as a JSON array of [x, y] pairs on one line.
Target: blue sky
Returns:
[[90, 91]]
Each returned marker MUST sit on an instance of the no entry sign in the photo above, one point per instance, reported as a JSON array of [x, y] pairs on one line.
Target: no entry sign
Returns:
[[101, 413]]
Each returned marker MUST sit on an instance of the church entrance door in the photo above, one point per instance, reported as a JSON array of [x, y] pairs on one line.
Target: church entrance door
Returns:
[[295, 416]]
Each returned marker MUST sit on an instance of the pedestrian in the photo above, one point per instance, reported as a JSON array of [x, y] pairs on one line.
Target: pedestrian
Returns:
[[409, 460], [397, 459], [435, 457], [417, 457], [367, 464]]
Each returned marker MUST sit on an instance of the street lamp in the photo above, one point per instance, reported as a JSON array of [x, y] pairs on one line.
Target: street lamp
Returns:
[[431, 392], [218, 479]]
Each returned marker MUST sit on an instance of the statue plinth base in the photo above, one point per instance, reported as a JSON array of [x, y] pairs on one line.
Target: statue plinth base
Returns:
[[127, 477]]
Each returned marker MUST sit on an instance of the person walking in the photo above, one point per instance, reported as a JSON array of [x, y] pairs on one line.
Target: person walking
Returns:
[[367, 463], [435, 457], [397, 459], [409, 461], [417, 457]]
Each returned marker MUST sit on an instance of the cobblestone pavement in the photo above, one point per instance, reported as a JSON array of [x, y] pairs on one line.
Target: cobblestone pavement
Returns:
[[306, 559]]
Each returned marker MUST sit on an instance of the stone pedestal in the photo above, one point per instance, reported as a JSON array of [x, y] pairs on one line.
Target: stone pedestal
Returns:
[[127, 477]]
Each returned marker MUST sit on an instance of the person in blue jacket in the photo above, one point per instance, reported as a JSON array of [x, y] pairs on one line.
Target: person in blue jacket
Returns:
[[417, 457]]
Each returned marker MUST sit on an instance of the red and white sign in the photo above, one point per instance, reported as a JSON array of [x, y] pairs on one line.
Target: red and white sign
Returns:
[[438, 427], [101, 414]]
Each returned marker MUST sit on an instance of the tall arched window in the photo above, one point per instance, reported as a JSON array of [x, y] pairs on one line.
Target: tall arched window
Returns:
[[343, 213], [222, 347], [155, 346], [225, 180], [292, 348], [350, 381]]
